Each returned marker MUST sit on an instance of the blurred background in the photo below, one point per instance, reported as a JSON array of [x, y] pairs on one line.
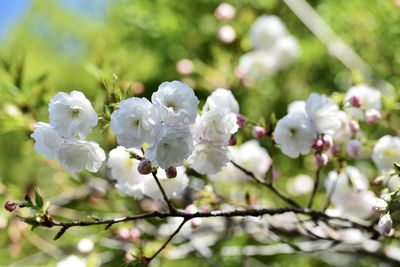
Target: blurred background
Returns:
[[130, 47]]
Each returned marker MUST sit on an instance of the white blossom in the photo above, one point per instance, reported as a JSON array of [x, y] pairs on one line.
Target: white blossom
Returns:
[[256, 65], [297, 106], [48, 142], [176, 103], [76, 155], [215, 126], [300, 185], [71, 260], [324, 113], [266, 30], [173, 145], [173, 187], [295, 134], [286, 50], [135, 122], [385, 224], [344, 133], [221, 98], [349, 192], [124, 171], [251, 156], [386, 152], [369, 98], [208, 158], [72, 114]]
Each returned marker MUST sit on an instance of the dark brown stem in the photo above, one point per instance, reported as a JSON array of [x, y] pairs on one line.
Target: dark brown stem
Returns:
[[269, 185], [315, 189], [166, 242], [167, 201]]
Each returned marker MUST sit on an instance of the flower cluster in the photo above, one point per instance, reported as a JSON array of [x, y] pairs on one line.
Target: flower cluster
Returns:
[[72, 118], [275, 49]]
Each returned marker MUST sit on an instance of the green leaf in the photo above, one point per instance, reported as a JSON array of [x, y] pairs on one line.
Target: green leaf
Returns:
[[38, 200]]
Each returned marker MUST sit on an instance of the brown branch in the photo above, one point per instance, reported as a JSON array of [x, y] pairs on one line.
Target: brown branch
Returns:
[[315, 189], [269, 185], [167, 201], [148, 260]]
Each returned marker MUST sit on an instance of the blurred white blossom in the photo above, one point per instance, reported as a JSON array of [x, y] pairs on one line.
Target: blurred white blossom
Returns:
[[369, 98], [386, 152]]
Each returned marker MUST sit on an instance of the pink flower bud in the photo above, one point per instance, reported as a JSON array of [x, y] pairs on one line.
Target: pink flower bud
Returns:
[[372, 115], [327, 142], [184, 66], [123, 233], [354, 127], [353, 148], [321, 159], [378, 180], [170, 172], [355, 101], [385, 224], [258, 132], [318, 144], [241, 120], [335, 149], [379, 206], [144, 166], [10, 206], [191, 209], [225, 11], [232, 141], [226, 34], [134, 234]]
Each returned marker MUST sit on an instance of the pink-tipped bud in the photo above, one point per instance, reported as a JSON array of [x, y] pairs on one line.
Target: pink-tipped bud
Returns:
[[318, 143], [123, 233], [380, 206], [372, 115], [355, 101], [144, 166], [226, 34], [10, 206], [184, 66], [258, 132], [225, 11], [170, 172], [241, 121], [354, 148], [327, 142], [378, 180], [335, 149], [321, 159], [385, 224], [232, 141], [354, 127], [134, 234]]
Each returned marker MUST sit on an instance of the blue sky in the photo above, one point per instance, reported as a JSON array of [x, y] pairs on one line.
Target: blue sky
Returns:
[[10, 11]]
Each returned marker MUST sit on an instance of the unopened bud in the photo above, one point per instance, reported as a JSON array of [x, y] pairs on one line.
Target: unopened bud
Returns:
[[241, 120], [372, 115], [170, 172], [226, 34], [318, 144], [321, 159], [335, 149], [327, 142], [354, 127], [385, 224], [144, 166], [225, 11], [380, 206], [232, 141], [258, 132], [355, 101], [10, 206], [191, 209], [378, 180], [353, 148]]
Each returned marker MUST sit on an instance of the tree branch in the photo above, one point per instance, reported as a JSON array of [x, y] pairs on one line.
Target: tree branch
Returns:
[[315, 189], [269, 185], [167, 201]]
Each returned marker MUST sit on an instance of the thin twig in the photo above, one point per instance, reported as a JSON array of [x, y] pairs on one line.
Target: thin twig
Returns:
[[166, 242], [315, 189], [167, 201], [278, 193]]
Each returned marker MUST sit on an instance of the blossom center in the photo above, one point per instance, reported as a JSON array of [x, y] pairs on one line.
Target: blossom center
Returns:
[[75, 112]]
